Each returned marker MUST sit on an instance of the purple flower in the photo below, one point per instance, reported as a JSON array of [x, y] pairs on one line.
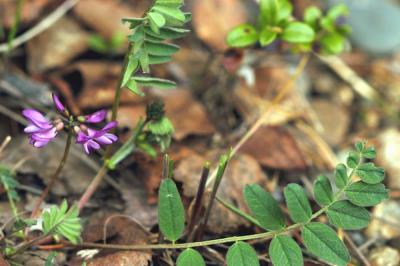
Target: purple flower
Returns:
[[40, 130], [96, 117], [93, 139], [58, 104]]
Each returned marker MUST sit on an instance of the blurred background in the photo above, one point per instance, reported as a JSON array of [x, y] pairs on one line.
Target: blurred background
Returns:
[[76, 48]]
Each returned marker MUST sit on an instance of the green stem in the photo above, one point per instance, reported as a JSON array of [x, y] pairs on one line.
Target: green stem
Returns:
[[239, 212], [17, 19], [11, 201], [55, 175]]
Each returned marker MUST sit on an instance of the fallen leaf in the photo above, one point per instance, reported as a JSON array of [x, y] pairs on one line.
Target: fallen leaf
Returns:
[[56, 46], [241, 170], [105, 16], [125, 232], [334, 130], [3, 262], [213, 19], [384, 256], [75, 176], [275, 147]]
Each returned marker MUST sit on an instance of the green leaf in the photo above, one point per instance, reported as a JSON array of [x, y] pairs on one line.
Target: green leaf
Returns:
[[190, 257], [60, 222], [133, 63], [323, 242], [154, 59], [311, 16], [297, 203], [154, 82], [161, 127], [298, 33], [284, 251], [370, 174], [50, 259], [264, 207], [144, 62], [133, 87], [369, 152], [8, 181], [242, 254], [161, 49], [157, 20], [341, 178], [353, 159], [337, 11], [364, 195], [332, 43], [133, 22], [267, 37], [285, 10], [268, 12], [171, 214], [360, 146], [167, 33], [323, 193], [242, 36], [170, 12], [344, 214], [97, 43]]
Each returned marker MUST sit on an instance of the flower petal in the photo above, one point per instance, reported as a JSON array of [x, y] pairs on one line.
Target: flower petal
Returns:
[[57, 103], [96, 117], [36, 118], [32, 129]]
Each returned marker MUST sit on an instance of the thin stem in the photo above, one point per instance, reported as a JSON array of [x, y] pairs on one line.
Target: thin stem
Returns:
[[262, 119], [198, 200], [55, 175], [104, 168], [15, 26], [239, 212]]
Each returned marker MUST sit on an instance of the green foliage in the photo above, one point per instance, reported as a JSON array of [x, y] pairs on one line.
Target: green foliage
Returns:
[[242, 254], [323, 242], [364, 195], [264, 207], [63, 222], [344, 214], [324, 33], [171, 214], [50, 259], [101, 45], [8, 182], [190, 257], [163, 21], [341, 177], [323, 193], [284, 251], [297, 203], [370, 174]]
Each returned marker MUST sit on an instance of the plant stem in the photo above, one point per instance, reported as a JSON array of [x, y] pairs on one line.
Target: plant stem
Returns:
[[55, 175], [104, 169], [197, 202], [239, 212], [15, 26]]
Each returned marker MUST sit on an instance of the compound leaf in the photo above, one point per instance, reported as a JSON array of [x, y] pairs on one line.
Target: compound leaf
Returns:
[[242, 254], [323, 193], [284, 251], [344, 214], [297, 203], [190, 257], [364, 195]]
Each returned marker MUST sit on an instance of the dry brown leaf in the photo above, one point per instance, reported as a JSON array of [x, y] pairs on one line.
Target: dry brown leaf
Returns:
[[125, 232], [275, 147], [213, 19], [334, 130], [56, 46], [242, 170], [3, 262], [188, 116], [105, 16]]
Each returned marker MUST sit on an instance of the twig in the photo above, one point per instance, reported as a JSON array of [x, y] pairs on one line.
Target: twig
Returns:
[[356, 250], [55, 175], [41, 26], [4, 144], [348, 75]]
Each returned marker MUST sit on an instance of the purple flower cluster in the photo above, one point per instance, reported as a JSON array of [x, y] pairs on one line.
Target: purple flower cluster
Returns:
[[41, 130]]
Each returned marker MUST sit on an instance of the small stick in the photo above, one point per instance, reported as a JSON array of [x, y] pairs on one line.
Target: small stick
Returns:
[[197, 202]]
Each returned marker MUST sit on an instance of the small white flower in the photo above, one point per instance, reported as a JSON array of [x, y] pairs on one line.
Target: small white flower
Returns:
[[87, 253]]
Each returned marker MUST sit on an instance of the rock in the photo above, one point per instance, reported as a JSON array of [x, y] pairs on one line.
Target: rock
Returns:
[[386, 217], [389, 156], [384, 256]]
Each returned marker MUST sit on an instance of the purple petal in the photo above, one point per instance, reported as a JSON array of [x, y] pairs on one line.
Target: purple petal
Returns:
[[109, 126], [90, 145], [36, 118], [103, 140], [57, 103], [112, 137], [40, 144], [32, 129], [49, 134], [96, 117]]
